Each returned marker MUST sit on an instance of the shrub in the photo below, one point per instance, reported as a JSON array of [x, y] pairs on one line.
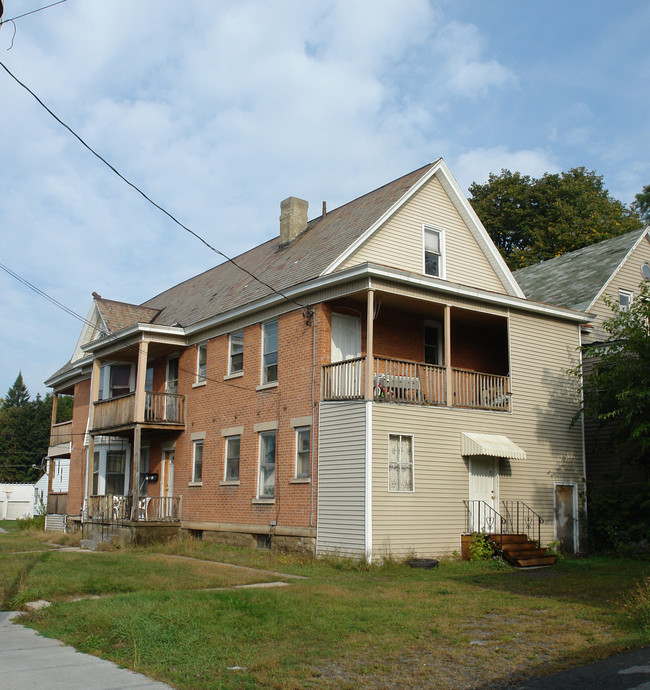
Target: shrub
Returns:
[[37, 523], [480, 548]]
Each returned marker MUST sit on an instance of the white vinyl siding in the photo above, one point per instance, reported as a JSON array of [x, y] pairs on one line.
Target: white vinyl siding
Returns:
[[341, 479], [398, 242]]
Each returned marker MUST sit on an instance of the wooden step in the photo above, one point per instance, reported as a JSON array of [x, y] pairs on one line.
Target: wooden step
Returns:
[[533, 561]]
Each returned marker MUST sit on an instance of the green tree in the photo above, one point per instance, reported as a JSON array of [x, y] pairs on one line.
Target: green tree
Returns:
[[17, 395], [616, 386], [641, 204], [531, 220]]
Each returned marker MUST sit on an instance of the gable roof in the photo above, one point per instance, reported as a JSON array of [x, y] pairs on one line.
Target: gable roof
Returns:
[[576, 279], [119, 315]]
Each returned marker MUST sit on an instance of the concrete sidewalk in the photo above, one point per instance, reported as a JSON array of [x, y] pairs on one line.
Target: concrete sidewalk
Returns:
[[28, 660]]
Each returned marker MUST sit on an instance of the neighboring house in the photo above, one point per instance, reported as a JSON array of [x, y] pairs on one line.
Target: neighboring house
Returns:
[[20, 501], [583, 280], [386, 388]]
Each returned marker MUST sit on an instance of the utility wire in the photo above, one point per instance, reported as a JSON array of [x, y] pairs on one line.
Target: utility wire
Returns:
[[153, 203], [20, 16]]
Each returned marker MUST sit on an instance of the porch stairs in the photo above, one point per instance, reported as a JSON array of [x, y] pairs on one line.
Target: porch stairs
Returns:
[[521, 551]]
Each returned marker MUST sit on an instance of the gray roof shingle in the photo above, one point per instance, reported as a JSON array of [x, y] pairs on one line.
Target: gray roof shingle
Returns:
[[227, 287], [574, 279]]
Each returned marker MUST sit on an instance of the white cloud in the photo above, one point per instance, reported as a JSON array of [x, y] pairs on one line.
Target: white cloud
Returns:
[[476, 165]]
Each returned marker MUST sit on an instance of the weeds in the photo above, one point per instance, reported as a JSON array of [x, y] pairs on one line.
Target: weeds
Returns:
[[638, 604]]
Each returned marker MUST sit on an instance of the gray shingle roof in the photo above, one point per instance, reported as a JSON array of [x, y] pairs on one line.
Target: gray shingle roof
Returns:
[[574, 279], [226, 287]]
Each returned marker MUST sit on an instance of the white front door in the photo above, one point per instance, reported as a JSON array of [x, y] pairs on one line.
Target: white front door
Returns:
[[346, 337], [483, 493]]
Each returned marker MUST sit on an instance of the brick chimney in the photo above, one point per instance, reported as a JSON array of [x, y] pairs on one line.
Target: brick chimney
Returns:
[[293, 219]]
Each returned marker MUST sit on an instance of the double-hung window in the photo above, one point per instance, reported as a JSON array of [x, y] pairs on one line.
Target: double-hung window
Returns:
[[232, 458], [236, 353], [201, 362], [433, 252], [302, 452], [197, 461], [267, 465], [270, 352], [400, 462]]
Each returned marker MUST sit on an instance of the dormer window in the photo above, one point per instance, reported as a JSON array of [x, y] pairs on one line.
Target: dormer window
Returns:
[[433, 252]]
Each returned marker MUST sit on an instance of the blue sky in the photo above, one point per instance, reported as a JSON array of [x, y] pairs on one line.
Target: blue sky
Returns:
[[221, 110]]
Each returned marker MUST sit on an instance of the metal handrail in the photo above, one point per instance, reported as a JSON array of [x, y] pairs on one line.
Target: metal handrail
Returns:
[[490, 522], [522, 519]]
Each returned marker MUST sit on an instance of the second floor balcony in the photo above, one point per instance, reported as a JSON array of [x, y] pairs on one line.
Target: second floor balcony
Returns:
[[161, 411], [416, 383]]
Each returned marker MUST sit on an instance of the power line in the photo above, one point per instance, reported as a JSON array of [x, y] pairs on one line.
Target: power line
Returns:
[[153, 203], [26, 14]]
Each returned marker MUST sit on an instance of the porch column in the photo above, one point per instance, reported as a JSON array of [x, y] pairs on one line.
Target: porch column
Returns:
[[140, 379], [50, 461], [448, 378], [135, 473], [90, 456], [370, 360]]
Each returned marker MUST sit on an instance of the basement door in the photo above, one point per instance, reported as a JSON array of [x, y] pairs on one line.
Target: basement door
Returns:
[[483, 493], [565, 517]]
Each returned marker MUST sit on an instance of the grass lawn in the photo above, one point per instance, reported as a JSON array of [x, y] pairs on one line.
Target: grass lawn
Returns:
[[461, 625]]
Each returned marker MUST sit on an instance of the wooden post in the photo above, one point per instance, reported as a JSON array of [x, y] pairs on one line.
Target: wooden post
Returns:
[[140, 381], [448, 379], [370, 358], [94, 395], [135, 473]]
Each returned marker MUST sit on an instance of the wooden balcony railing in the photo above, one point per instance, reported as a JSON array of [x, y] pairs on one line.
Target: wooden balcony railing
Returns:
[[57, 504], [61, 433], [159, 408], [415, 383]]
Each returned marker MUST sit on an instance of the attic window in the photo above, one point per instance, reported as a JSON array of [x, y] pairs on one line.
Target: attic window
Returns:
[[433, 252], [625, 298]]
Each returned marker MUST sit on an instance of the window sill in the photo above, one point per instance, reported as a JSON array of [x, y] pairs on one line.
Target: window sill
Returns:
[[197, 384], [300, 480], [195, 483], [229, 483], [235, 375], [265, 386], [263, 501]]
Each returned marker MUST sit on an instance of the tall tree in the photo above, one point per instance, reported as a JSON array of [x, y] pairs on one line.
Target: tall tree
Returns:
[[17, 395], [531, 220], [641, 204], [617, 388]]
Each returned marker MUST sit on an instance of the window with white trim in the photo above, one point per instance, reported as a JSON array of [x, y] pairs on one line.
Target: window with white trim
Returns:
[[236, 353], [201, 362], [400, 462], [266, 484], [625, 298], [233, 444], [303, 438], [270, 352], [197, 461], [433, 252], [116, 380]]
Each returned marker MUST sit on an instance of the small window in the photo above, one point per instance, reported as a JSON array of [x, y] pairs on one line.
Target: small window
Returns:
[[267, 465], [197, 465], [232, 458], [201, 362], [96, 473], [400, 463], [236, 354], [433, 252], [270, 352], [115, 469], [625, 298], [302, 452]]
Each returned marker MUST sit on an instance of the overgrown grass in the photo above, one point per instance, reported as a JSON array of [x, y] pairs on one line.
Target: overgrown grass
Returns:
[[347, 625]]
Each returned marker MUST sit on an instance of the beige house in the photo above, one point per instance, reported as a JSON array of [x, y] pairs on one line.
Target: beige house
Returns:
[[373, 382]]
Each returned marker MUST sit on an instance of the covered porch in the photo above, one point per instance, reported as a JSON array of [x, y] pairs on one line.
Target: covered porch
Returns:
[[396, 349]]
